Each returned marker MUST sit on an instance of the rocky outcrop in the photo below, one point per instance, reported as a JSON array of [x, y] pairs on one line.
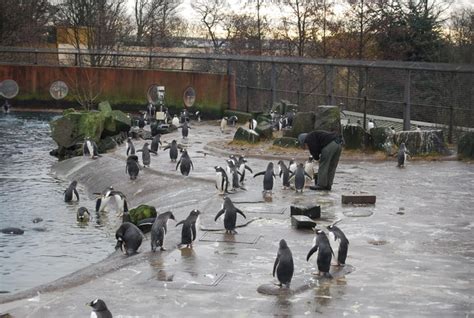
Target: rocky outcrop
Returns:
[[466, 146], [327, 118], [423, 142], [354, 137], [243, 117], [264, 129], [286, 142], [141, 212], [247, 135], [303, 122]]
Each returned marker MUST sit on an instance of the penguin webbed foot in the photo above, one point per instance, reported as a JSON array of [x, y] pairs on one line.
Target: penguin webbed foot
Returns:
[[162, 248]]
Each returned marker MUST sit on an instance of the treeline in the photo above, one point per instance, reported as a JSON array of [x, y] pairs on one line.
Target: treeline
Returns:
[[402, 30]]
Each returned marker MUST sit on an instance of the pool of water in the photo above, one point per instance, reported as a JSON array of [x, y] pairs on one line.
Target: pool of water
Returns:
[[58, 245]]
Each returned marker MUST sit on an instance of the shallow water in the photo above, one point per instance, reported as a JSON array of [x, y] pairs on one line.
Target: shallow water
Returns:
[[58, 245]]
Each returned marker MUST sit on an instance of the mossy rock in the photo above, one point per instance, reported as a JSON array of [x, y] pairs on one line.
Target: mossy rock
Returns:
[[106, 144], [327, 118], [265, 130], [116, 122], [380, 137], [242, 116], [466, 146], [303, 122], [264, 117], [105, 107], [286, 142], [72, 128], [354, 137], [68, 111], [141, 212], [247, 135], [422, 142]]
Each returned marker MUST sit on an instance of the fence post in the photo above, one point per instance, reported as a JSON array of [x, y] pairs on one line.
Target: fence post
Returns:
[[182, 64], [366, 75], [247, 87], [407, 98], [451, 111], [76, 60], [36, 57], [300, 85], [149, 61], [347, 87], [330, 87], [273, 83], [229, 84]]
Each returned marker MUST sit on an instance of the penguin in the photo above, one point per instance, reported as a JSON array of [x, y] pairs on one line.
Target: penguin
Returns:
[[241, 167], [173, 147], [233, 172], [83, 215], [129, 238], [185, 164], [106, 195], [233, 120], [185, 129], [89, 148], [299, 176], [283, 265], [402, 155], [324, 255], [309, 167], [12, 230], [284, 174], [154, 144], [141, 121], [282, 122], [418, 128], [198, 116], [289, 118], [224, 124], [370, 125], [130, 147], [146, 155], [252, 124], [188, 232], [222, 181], [159, 229], [132, 167], [230, 216], [175, 121], [70, 192], [268, 176], [343, 244], [292, 165], [99, 309]]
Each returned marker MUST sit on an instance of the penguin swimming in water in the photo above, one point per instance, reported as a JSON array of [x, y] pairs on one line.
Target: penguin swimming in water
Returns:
[[99, 309], [300, 177], [132, 167], [173, 147], [284, 174], [159, 229], [241, 167], [283, 265], [129, 238], [343, 244], [154, 143], [224, 121], [324, 255], [188, 232], [146, 159], [70, 192], [130, 147], [252, 124], [185, 164], [185, 129], [89, 148], [402, 155], [230, 216], [83, 215], [268, 176], [106, 195], [222, 181]]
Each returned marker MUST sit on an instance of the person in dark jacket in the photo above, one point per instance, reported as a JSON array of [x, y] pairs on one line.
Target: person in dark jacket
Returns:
[[326, 147]]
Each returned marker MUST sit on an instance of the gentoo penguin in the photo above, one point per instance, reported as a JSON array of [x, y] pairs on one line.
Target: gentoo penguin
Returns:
[[224, 124], [418, 128], [309, 167], [185, 164], [159, 229], [343, 244], [185, 130], [289, 118], [241, 167], [70, 191], [324, 255], [175, 121], [130, 147], [141, 121], [222, 181], [154, 143], [402, 155], [83, 215], [106, 195], [370, 125], [89, 148], [300, 177], [292, 165], [230, 216], [188, 232], [129, 238], [173, 147], [268, 176], [252, 124], [198, 116], [233, 173], [99, 309], [233, 120], [283, 265], [284, 174], [132, 167], [146, 159]]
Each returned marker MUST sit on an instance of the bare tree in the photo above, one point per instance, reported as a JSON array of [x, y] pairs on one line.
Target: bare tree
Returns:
[[462, 35]]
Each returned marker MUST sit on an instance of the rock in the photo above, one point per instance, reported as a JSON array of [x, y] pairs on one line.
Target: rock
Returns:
[[303, 122], [284, 106], [380, 137], [286, 142], [141, 212], [264, 117], [358, 199], [105, 107], [265, 130], [422, 142], [242, 116], [106, 144], [247, 135], [72, 128], [302, 222], [313, 212], [115, 122], [327, 118], [161, 128], [466, 146], [354, 137]]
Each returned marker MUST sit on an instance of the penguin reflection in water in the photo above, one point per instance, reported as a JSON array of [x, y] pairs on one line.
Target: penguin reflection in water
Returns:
[[99, 309], [230, 216], [283, 265], [129, 238], [324, 254], [159, 229], [188, 232], [70, 192]]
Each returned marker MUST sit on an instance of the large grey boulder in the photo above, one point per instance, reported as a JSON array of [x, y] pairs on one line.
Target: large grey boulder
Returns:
[[422, 142], [265, 130], [354, 137], [247, 135], [327, 118], [303, 122], [466, 146], [116, 122]]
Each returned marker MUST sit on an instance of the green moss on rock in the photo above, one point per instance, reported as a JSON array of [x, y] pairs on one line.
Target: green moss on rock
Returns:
[[327, 118], [242, 116], [142, 212], [105, 107], [466, 146], [286, 142], [354, 137], [303, 122], [247, 135], [265, 130]]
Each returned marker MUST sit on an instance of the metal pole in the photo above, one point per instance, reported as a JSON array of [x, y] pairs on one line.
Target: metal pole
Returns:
[[347, 87], [248, 88], [182, 64], [149, 61], [330, 87], [451, 111], [273, 83], [229, 84], [407, 97], [300, 85], [366, 74]]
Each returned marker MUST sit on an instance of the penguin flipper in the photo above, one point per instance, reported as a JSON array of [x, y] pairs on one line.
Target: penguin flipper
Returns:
[[98, 204], [179, 223], [311, 251], [248, 168], [177, 165], [192, 166], [261, 173], [166, 147], [240, 212], [77, 194], [219, 214], [125, 205], [277, 261]]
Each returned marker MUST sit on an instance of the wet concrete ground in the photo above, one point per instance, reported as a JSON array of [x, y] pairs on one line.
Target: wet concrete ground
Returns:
[[412, 251]]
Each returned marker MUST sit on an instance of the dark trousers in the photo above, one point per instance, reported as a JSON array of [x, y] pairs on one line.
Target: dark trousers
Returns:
[[328, 164]]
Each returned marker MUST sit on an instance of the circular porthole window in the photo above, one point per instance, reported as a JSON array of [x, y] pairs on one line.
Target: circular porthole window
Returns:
[[189, 96], [156, 94], [9, 88], [58, 90]]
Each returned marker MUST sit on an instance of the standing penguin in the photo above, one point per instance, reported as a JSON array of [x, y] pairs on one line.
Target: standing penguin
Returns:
[[173, 147], [222, 181], [230, 216], [268, 176], [292, 165], [241, 167], [146, 159], [284, 174], [83, 215], [252, 124], [402, 155], [233, 120], [106, 195], [343, 244], [324, 255], [129, 238], [185, 129], [159, 229], [283, 265], [99, 309], [89, 148], [188, 232], [130, 147], [70, 191], [155, 142], [309, 167], [185, 164], [233, 172], [175, 121], [224, 124], [132, 167], [300, 177]]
